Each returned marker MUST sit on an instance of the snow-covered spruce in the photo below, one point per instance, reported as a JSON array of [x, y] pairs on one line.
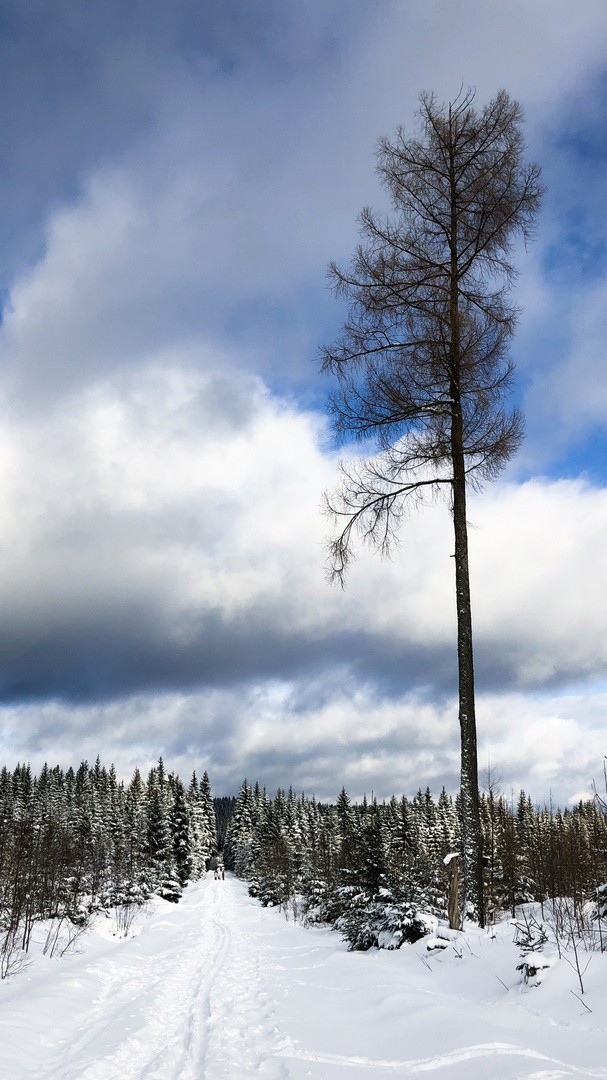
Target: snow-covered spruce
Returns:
[[75, 842], [376, 871]]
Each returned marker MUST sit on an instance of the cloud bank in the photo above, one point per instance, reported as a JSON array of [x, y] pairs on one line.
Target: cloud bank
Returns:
[[176, 188]]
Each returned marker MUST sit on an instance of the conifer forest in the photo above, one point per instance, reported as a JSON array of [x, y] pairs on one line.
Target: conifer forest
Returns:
[[374, 870], [78, 842], [75, 842]]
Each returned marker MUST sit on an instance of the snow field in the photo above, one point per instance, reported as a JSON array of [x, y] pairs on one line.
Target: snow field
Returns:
[[218, 988]]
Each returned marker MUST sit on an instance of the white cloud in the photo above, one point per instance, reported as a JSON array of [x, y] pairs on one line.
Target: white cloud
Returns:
[[553, 748], [180, 497], [168, 480], [538, 572]]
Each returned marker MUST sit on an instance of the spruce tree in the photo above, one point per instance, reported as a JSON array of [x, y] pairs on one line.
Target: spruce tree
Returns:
[[180, 830]]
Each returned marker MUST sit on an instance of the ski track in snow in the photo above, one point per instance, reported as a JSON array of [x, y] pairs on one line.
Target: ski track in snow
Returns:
[[197, 1009], [216, 988], [208, 1017], [463, 1054]]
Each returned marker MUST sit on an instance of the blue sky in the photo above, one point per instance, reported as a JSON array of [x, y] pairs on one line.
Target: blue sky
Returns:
[[175, 179]]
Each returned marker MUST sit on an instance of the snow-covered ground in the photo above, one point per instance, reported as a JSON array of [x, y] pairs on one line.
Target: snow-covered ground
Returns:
[[217, 987]]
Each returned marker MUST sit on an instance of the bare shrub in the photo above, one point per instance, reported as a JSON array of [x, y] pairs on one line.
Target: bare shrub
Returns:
[[574, 933], [123, 918], [63, 934], [13, 958]]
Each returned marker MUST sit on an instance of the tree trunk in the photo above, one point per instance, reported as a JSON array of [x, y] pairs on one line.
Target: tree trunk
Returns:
[[471, 825], [455, 922]]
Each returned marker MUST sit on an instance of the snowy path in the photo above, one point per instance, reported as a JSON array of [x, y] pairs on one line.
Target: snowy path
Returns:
[[185, 1000], [216, 988]]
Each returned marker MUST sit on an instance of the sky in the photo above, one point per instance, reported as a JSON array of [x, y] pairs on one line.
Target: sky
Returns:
[[174, 180]]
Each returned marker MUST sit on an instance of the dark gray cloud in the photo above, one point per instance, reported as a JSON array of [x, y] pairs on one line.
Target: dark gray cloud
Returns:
[[101, 655]]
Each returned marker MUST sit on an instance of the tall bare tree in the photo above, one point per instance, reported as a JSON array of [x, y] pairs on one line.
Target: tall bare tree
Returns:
[[422, 364]]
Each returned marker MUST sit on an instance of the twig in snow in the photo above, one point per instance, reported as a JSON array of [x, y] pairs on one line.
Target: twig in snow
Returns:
[[503, 983], [576, 967], [580, 1000]]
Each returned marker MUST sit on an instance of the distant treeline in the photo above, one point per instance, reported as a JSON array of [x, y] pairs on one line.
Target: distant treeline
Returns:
[[76, 841], [373, 870], [224, 808]]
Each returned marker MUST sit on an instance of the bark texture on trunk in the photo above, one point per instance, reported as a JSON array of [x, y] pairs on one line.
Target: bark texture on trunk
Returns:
[[471, 826], [455, 922]]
